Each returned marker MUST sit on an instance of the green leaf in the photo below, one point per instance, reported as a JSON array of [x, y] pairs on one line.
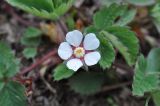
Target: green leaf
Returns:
[[153, 61], [107, 16], [1, 85], [106, 49], [32, 32], [87, 82], [32, 42], [109, 2], [156, 15], [91, 29], [70, 23], [142, 81], [13, 94], [31, 37], [41, 4], [62, 72], [126, 18], [30, 52], [125, 41], [107, 52], [109, 22], [9, 65], [50, 9], [156, 97], [142, 2]]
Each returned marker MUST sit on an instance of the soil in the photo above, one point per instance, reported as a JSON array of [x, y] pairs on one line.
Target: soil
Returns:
[[46, 91]]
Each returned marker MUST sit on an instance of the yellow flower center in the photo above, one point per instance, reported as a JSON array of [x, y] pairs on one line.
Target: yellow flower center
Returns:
[[79, 52]]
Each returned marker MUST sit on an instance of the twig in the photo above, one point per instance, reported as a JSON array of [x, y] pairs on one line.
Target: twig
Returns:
[[48, 85], [62, 25], [125, 68], [122, 66], [38, 62], [116, 86]]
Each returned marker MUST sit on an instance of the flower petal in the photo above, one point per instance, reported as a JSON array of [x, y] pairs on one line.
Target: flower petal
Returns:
[[91, 42], [92, 58], [65, 51], [74, 38], [74, 64]]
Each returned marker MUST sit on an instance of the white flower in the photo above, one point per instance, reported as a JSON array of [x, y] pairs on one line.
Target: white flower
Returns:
[[78, 53]]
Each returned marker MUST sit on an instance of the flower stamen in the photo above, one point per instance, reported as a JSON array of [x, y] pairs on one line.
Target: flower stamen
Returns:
[[79, 52]]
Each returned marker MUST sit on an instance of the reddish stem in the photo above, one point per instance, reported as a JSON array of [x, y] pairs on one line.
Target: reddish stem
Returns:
[[38, 62]]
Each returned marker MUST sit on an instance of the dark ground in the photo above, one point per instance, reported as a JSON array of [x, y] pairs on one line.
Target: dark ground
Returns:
[[47, 92]]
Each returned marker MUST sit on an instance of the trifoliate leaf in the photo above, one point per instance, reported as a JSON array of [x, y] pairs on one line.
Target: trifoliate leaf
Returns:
[[153, 61], [107, 16], [30, 52], [121, 38], [13, 94], [156, 97], [110, 20], [87, 82], [50, 9], [142, 81], [125, 41], [62, 72], [142, 2], [9, 65], [107, 52]]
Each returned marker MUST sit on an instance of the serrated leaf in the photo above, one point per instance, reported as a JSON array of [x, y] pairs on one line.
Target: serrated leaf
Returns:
[[126, 17], [107, 52], [50, 9], [142, 81], [153, 61], [30, 52], [106, 49], [156, 98], [142, 2], [125, 41], [13, 94], [62, 72], [87, 82], [107, 16], [121, 37], [9, 65]]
